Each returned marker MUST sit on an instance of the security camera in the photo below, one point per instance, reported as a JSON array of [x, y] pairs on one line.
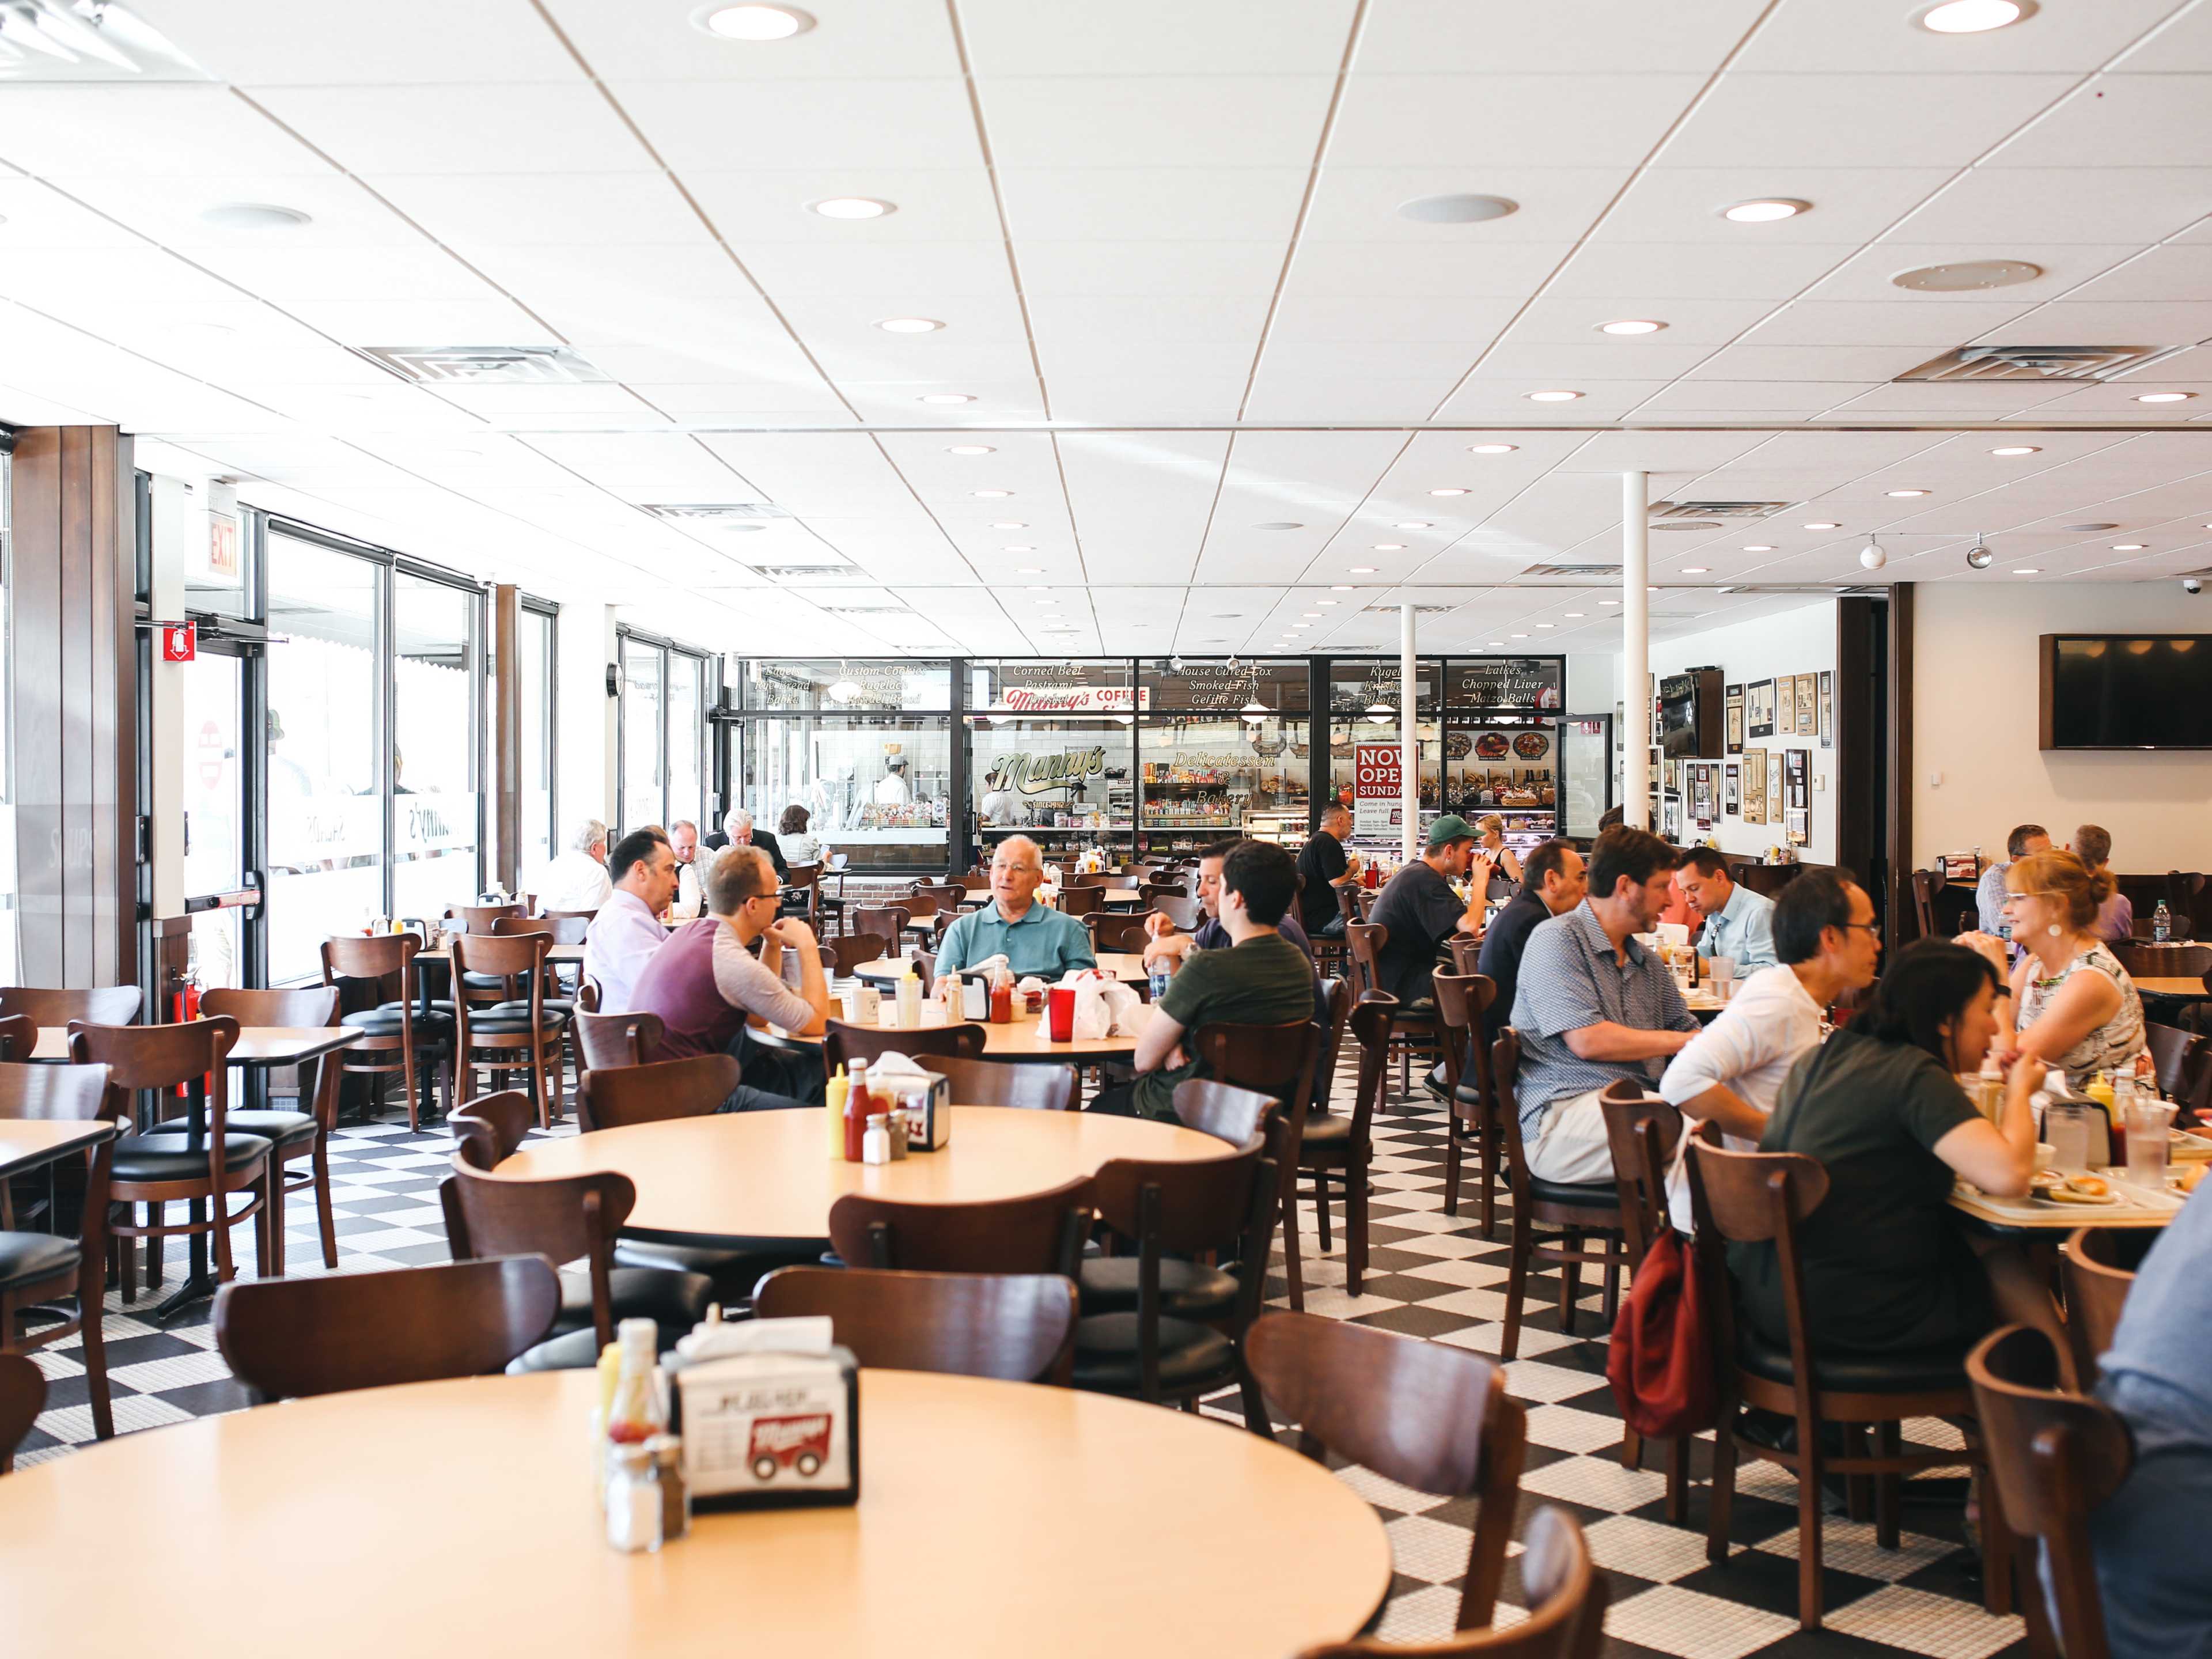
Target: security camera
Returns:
[[2191, 585]]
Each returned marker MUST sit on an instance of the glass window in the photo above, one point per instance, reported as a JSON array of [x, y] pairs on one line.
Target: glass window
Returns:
[[876, 789], [534, 651], [835, 685], [1515, 683], [687, 739], [325, 810], [9, 958], [1045, 689], [434, 818], [214, 852], [641, 734], [1066, 782], [1209, 776], [216, 576], [1174, 684], [1585, 773], [1508, 768]]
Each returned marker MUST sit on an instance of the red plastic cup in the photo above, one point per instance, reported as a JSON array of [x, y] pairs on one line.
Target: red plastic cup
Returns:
[[1059, 1001]]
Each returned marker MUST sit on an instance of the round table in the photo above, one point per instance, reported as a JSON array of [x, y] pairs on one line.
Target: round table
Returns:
[[994, 1519], [1024, 1038], [769, 1175]]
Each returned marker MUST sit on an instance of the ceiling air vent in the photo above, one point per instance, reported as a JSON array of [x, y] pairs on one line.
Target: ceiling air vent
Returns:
[[2038, 362], [1591, 571], [1689, 524], [866, 609], [1669, 510], [1418, 610], [802, 572], [485, 365], [735, 515]]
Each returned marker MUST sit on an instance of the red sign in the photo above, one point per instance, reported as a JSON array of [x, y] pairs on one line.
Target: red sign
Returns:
[[1376, 779], [180, 641]]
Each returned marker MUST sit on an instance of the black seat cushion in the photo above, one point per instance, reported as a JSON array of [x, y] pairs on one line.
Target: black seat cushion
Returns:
[[512, 1019], [1187, 1289], [27, 1258], [1602, 1196], [163, 1155], [1917, 1371], [733, 1273], [1327, 1129], [268, 1125], [484, 981], [389, 1022], [1191, 1356], [668, 1297], [578, 1350]]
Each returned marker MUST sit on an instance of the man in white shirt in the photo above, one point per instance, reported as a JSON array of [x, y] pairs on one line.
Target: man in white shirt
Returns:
[[627, 930], [891, 788], [692, 863], [577, 879], [1732, 1072]]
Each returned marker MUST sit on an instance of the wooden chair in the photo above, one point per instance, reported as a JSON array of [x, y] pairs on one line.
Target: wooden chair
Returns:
[[1082, 902], [1566, 1617], [159, 1168], [479, 918], [2098, 1268], [487, 1129], [1277, 1061], [2053, 1456], [1926, 883], [1643, 1130], [43, 1268], [1761, 1198], [105, 1004], [2183, 1060], [1225, 1111], [850, 951], [23, 1397], [1575, 1211], [1018, 1327], [1427, 1416], [569, 927], [2165, 961], [399, 1026], [995, 1083], [517, 1033], [1158, 1323], [292, 1338], [1040, 1233], [802, 894], [570, 1218], [655, 1092], [1188, 913], [1465, 953], [1336, 1148], [1109, 933], [1070, 877], [1463, 1000], [927, 919], [842, 1044], [1153, 890], [1414, 1029], [887, 923], [294, 1135], [612, 1041]]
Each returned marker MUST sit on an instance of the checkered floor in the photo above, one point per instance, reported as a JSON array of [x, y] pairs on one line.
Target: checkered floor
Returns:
[[1433, 1276]]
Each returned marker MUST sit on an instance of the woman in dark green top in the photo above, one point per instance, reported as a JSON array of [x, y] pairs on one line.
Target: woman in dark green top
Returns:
[[1888, 1269]]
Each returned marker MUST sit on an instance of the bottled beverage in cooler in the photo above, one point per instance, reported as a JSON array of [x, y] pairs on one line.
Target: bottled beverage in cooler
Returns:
[[2161, 924]]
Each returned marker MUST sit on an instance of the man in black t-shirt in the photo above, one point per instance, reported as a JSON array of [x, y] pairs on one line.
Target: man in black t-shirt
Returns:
[[1421, 911], [1323, 867]]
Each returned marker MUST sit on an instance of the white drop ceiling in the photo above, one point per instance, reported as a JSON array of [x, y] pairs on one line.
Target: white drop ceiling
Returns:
[[1162, 238]]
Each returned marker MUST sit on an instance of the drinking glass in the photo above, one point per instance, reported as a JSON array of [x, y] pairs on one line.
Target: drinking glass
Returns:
[[2148, 1121], [1060, 1005]]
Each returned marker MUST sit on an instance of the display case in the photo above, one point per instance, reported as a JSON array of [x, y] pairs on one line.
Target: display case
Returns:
[[1220, 745], [1504, 743], [1052, 754]]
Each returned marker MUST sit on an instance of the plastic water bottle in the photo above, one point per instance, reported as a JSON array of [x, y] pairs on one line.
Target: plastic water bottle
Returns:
[[1159, 980], [2161, 924]]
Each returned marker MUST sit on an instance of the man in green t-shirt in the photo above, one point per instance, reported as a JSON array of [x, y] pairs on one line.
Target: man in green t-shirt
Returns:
[[1262, 979]]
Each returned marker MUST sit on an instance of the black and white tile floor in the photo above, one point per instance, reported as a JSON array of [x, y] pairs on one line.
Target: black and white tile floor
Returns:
[[1432, 1277]]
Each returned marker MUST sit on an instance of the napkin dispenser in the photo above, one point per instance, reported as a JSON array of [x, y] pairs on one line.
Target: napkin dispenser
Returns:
[[773, 1426], [927, 1102]]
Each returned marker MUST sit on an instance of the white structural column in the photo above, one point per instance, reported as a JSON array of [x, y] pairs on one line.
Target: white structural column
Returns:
[[1409, 747], [1636, 648]]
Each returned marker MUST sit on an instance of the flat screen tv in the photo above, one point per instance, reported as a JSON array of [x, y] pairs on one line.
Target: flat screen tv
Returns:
[[1690, 713], [2126, 690]]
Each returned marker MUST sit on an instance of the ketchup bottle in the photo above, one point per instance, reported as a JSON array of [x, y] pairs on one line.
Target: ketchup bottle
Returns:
[[857, 1104]]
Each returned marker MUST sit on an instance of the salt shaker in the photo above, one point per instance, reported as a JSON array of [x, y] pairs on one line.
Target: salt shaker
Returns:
[[675, 1496], [633, 1500], [875, 1142]]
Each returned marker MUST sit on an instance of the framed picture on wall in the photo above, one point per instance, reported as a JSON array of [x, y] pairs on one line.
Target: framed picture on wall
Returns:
[[1735, 705], [1670, 819], [1758, 709], [1800, 826], [1798, 775], [1703, 808], [1774, 785], [1731, 796], [1807, 696], [1754, 786], [1827, 709]]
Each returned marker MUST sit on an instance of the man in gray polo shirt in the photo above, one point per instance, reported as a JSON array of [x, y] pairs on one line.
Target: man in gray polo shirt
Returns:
[[1593, 1007]]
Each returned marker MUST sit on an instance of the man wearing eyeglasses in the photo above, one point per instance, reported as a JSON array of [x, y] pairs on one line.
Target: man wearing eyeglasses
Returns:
[[1733, 1071], [706, 981]]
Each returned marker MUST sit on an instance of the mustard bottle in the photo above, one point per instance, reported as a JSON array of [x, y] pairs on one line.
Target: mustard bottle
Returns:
[[2100, 1089], [834, 1101]]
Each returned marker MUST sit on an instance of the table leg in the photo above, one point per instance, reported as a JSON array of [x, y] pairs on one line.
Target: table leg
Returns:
[[199, 1283]]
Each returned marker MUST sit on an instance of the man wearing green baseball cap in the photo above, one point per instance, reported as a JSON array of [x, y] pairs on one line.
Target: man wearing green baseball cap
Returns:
[[1421, 911]]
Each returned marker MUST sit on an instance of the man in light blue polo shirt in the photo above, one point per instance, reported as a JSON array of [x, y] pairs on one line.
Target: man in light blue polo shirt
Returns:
[[1739, 923], [1034, 938]]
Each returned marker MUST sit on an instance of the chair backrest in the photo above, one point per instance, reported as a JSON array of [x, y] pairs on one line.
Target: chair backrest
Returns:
[[1018, 1327], [1465, 953], [1280, 1059], [1926, 883], [1372, 1022], [1154, 890], [560, 1218], [1083, 878], [1187, 913], [105, 1005], [2098, 1266], [487, 1129], [288, 1338], [383, 958], [479, 918], [1462, 1001], [1040, 1233], [2163, 961], [2183, 1060], [1335, 1000], [1081, 902], [611, 1040], [885, 921], [1366, 940], [308, 1007], [68, 1094], [1748, 1197], [849, 950], [18, 1038], [1187, 1207], [842, 1044], [1109, 933], [655, 1092], [514, 926], [510, 955], [1643, 1130], [1224, 1110], [1427, 1416], [920, 901], [160, 1057], [2053, 1457], [1347, 902], [23, 1397], [996, 1083]]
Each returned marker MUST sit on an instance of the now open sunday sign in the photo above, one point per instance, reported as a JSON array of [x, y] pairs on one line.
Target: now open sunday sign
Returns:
[[1376, 779]]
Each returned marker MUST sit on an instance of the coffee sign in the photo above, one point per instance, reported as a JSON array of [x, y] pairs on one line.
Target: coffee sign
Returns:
[[1037, 774], [1070, 700]]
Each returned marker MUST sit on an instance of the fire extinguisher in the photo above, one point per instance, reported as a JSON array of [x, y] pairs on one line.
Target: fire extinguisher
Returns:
[[188, 996]]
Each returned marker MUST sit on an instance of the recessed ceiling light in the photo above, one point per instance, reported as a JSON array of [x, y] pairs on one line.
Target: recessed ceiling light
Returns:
[[1447, 491], [1278, 523], [1576, 613], [1457, 208], [1389, 547], [851, 207], [1363, 571], [944, 397], [752, 22], [1491, 449], [1311, 616], [1547, 625], [2163, 397], [254, 215], [1345, 587], [1520, 637], [2028, 570], [2129, 547], [1631, 325], [909, 324], [1903, 495], [1325, 601], [2017, 449], [995, 495], [1037, 587], [1030, 570], [1497, 645], [1019, 548], [1697, 570], [1608, 601], [1823, 523], [1553, 396], [970, 449], [1009, 524], [1766, 211], [1298, 626], [1759, 547], [1972, 17]]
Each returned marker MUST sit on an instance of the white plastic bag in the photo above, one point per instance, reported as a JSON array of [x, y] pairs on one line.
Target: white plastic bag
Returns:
[[1103, 1006]]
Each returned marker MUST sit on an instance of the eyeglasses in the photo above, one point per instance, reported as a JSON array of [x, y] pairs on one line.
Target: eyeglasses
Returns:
[[1871, 926]]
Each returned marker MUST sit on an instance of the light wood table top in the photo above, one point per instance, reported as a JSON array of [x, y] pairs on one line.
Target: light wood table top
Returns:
[[256, 1045], [2138, 1207], [26, 1143], [1127, 966], [1025, 1037], [994, 1519], [2172, 986], [769, 1174]]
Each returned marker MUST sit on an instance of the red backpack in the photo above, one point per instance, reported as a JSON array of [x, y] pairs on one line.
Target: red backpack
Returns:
[[1661, 1363]]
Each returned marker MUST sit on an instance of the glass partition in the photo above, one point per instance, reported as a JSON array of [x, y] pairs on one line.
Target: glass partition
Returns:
[[661, 739], [687, 731], [434, 760], [9, 909], [876, 789], [641, 734], [534, 651]]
